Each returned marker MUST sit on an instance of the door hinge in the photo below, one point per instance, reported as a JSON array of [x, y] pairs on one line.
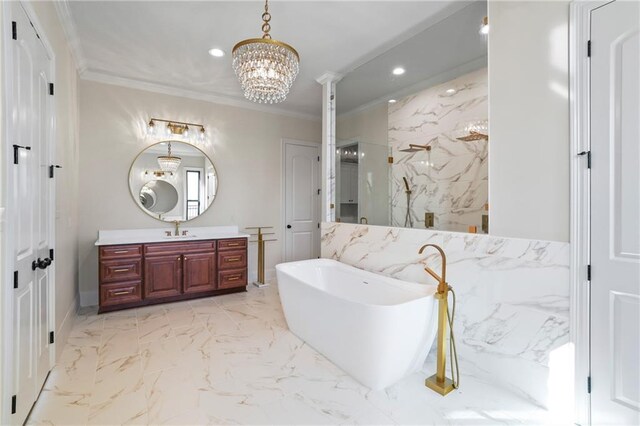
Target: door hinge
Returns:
[[589, 384], [318, 192], [15, 279], [588, 272], [14, 30], [52, 337], [16, 156], [390, 160], [52, 170], [588, 154], [14, 404], [51, 89], [51, 251], [318, 226], [589, 48], [318, 158]]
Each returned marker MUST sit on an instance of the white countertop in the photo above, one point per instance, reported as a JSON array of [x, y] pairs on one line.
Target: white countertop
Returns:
[[158, 235]]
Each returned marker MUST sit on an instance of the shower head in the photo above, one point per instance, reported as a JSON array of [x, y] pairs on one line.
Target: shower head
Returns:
[[474, 136], [416, 148], [406, 185]]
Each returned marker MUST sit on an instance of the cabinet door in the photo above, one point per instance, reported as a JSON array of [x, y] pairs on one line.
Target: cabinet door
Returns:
[[162, 276], [199, 272]]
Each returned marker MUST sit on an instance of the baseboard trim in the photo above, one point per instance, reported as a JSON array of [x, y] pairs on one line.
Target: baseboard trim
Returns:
[[89, 298], [65, 326]]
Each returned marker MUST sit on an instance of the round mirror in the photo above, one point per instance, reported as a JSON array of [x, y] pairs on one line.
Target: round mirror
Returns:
[[172, 181]]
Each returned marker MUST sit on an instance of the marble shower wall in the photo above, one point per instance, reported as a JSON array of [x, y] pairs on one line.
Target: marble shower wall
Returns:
[[512, 315], [451, 180]]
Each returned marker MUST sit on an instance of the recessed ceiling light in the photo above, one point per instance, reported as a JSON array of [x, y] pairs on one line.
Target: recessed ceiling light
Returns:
[[392, 101], [218, 53], [398, 71], [451, 91]]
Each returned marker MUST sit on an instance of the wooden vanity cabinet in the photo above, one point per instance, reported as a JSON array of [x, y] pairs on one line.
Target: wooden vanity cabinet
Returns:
[[232, 263], [143, 274], [163, 276], [199, 272]]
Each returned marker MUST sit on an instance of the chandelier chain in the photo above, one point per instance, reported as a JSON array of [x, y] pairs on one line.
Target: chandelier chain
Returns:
[[266, 17]]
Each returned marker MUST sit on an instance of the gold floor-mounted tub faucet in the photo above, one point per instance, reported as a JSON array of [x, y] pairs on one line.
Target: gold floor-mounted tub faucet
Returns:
[[439, 382]]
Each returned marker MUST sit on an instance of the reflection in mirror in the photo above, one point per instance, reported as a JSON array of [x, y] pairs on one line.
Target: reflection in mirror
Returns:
[[172, 181], [412, 149]]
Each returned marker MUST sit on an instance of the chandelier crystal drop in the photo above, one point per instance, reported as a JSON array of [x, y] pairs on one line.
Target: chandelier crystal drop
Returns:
[[169, 163], [266, 68]]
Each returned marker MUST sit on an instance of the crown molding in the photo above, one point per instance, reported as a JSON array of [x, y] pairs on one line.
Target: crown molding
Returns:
[[148, 86], [329, 77], [443, 77], [69, 29]]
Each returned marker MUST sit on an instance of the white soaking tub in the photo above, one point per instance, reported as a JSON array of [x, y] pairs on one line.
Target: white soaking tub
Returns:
[[377, 329]]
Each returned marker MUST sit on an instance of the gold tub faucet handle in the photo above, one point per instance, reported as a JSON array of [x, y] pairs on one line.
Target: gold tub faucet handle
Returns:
[[442, 280]]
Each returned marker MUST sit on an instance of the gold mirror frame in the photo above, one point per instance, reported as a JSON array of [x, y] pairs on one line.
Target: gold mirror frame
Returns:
[[172, 141]]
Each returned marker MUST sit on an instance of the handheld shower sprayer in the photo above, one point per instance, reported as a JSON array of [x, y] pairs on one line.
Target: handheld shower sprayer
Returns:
[[408, 220]]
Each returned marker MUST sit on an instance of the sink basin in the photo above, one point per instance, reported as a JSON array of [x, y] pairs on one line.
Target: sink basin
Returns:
[[179, 237]]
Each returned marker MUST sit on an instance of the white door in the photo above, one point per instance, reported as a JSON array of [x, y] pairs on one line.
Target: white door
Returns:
[[302, 201], [615, 214], [30, 206]]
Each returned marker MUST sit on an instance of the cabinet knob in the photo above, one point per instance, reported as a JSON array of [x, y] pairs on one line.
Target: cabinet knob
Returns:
[[288, 226]]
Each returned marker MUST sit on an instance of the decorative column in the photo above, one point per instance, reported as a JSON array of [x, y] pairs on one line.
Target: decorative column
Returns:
[[328, 81]]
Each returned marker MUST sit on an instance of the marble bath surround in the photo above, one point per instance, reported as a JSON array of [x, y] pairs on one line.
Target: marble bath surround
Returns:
[[451, 180], [512, 315]]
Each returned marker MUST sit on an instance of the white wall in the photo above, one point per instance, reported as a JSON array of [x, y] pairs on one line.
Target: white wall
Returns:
[[244, 145], [368, 125], [529, 119]]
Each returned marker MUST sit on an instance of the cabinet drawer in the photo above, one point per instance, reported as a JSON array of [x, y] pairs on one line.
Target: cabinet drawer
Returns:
[[120, 270], [179, 248], [232, 278], [118, 252], [120, 293], [232, 259], [234, 244]]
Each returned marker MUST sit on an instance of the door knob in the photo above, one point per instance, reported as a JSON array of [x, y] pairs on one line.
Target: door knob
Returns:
[[288, 226], [41, 263]]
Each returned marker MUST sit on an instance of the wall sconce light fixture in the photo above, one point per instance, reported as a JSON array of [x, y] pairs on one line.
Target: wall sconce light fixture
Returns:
[[175, 127]]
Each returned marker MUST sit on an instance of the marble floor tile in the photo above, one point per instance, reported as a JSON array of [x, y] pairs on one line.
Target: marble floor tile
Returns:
[[234, 361], [240, 312], [160, 355], [193, 337], [116, 344], [115, 378], [155, 328]]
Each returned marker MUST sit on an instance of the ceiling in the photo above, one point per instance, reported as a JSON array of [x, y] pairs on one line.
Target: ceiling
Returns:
[[443, 51], [162, 45]]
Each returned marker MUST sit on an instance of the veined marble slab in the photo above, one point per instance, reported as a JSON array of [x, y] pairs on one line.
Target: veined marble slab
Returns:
[[451, 180], [512, 314], [158, 235]]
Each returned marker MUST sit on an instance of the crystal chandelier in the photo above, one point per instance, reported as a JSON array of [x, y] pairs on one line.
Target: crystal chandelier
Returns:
[[265, 67], [169, 163]]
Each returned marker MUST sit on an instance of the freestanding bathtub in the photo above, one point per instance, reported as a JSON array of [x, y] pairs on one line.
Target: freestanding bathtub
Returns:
[[377, 329]]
